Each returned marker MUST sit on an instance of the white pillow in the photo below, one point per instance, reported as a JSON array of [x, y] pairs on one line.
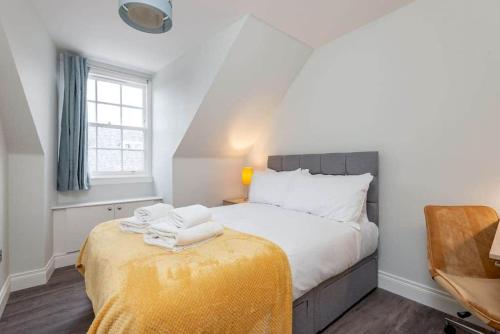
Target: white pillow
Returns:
[[270, 187], [363, 218], [336, 197]]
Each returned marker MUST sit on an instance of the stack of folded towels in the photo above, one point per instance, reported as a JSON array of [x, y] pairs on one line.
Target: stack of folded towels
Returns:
[[175, 229], [144, 217]]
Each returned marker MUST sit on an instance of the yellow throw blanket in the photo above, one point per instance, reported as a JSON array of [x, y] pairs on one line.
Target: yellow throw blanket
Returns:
[[235, 283]]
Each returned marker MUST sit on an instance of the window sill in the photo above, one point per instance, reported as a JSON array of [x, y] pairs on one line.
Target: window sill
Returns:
[[122, 179]]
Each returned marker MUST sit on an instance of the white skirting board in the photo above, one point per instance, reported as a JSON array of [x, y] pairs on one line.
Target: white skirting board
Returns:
[[25, 280], [64, 260], [423, 294], [31, 278]]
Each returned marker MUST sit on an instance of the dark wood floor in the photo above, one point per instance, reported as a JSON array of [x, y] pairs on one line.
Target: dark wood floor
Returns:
[[61, 306]]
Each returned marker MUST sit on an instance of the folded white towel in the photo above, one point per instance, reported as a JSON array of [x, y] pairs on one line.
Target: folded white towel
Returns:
[[190, 216], [166, 235], [133, 224], [164, 227], [155, 241], [148, 213]]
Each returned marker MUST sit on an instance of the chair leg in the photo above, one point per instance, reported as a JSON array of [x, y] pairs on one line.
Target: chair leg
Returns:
[[450, 325]]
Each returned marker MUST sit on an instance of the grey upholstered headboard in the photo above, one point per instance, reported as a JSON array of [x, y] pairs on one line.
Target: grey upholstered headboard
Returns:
[[355, 163]]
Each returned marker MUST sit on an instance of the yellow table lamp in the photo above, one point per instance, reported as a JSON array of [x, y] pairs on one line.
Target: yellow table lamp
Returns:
[[246, 175]]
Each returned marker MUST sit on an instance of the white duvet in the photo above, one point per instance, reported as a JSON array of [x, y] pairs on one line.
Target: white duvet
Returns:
[[317, 248]]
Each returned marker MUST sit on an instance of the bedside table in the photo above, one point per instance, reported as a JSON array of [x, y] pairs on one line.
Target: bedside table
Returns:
[[234, 201]]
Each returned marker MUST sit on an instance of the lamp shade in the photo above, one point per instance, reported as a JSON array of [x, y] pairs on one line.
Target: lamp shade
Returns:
[[152, 16], [246, 175]]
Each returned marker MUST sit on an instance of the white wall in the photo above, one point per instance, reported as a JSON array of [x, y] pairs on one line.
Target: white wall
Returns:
[[421, 86], [35, 58], [20, 134], [4, 236], [30, 242], [31, 171], [211, 104], [178, 91], [206, 181], [256, 73]]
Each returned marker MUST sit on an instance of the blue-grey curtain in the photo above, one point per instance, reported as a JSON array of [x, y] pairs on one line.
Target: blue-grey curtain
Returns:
[[72, 165]]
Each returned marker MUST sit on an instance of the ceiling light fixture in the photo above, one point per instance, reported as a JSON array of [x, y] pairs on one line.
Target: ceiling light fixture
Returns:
[[152, 16]]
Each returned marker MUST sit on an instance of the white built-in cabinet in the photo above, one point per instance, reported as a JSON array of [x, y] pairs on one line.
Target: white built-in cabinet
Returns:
[[72, 224]]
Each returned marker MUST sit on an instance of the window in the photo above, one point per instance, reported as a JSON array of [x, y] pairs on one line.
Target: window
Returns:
[[118, 134]]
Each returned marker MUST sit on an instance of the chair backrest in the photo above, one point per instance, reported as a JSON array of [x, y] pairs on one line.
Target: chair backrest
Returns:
[[459, 239]]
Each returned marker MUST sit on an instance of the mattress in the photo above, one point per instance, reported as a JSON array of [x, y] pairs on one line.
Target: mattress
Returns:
[[317, 248]]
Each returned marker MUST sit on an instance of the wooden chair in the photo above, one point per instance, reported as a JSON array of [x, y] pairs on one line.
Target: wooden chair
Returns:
[[459, 239]]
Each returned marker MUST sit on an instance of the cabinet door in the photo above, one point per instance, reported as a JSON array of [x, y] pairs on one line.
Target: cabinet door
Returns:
[[80, 221], [124, 210]]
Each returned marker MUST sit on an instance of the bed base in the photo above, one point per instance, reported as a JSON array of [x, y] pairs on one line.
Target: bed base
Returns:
[[315, 310]]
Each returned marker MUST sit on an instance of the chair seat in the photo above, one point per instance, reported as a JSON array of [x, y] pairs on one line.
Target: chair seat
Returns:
[[481, 296]]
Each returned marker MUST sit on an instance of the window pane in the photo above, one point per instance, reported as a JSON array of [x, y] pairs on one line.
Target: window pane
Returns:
[[91, 112], [111, 105], [132, 117], [109, 160], [92, 160], [109, 138], [108, 92], [91, 89], [132, 96], [107, 114], [133, 139], [133, 161], [92, 137]]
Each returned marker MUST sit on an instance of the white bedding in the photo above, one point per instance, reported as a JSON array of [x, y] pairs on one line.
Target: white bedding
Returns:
[[317, 248]]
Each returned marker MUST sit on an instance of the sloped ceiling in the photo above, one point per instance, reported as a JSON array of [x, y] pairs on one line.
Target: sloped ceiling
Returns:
[[19, 127], [94, 28], [178, 91], [255, 75], [35, 59]]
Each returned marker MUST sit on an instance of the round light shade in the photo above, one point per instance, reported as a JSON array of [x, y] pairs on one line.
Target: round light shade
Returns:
[[152, 16], [246, 175]]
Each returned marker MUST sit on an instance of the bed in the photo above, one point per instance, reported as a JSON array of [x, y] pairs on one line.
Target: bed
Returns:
[[316, 309], [326, 269], [317, 248]]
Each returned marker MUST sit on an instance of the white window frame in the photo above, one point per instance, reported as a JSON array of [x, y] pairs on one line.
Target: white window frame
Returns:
[[117, 75]]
